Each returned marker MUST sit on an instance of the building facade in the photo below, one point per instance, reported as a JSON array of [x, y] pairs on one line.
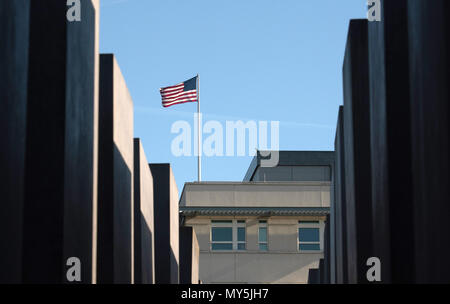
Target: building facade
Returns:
[[268, 228]]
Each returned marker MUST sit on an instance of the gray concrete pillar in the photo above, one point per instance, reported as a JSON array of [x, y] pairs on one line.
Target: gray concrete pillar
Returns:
[[390, 127], [429, 76], [14, 30], [166, 224], [189, 256], [313, 276], [115, 176], [340, 202], [333, 230], [326, 251], [322, 271], [59, 172], [357, 151], [144, 256]]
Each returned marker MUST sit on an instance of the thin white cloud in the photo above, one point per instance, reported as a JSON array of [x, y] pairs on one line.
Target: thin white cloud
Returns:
[[208, 116], [104, 3]]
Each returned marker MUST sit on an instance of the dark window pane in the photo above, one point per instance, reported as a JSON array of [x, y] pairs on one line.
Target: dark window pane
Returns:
[[308, 234], [222, 222], [309, 246], [263, 234], [263, 222], [241, 234], [241, 246], [263, 247], [222, 234], [241, 221], [308, 222], [222, 246]]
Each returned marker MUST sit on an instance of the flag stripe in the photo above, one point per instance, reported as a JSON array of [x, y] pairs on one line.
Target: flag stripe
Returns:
[[172, 94], [188, 93], [181, 85], [193, 95], [178, 102], [179, 96], [183, 99], [192, 99], [176, 94], [172, 91]]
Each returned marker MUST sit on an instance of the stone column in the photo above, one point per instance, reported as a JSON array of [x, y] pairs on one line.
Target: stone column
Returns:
[[144, 235], [340, 202], [390, 129], [115, 176], [166, 224], [14, 30], [429, 76], [357, 151]]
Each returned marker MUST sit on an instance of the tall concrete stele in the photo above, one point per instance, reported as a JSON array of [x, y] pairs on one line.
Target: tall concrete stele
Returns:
[[144, 231], [115, 258], [15, 24], [189, 256], [268, 228], [48, 89], [166, 224]]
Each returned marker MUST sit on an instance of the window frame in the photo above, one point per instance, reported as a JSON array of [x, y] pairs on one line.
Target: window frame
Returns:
[[263, 224], [234, 224], [318, 224]]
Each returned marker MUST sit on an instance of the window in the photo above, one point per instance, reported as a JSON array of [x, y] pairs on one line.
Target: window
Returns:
[[309, 236], [228, 235], [262, 236], [222, 237], [241, 235]]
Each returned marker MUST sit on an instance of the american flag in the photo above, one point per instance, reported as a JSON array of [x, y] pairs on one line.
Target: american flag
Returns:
[[180, 93]]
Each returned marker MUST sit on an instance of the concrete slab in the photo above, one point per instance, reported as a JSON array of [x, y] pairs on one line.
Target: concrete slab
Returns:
[[429, 75], [14, 28], [357, 151], [313, 276], [166, 224], [333, 227], [340, 202], [96, 4], [189, 256], [322, 271], [58, 207], [115, 176], [326, 251], [390, 142], [144, 256]]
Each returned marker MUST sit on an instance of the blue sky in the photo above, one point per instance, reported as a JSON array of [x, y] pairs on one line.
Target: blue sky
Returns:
[[261, 60]]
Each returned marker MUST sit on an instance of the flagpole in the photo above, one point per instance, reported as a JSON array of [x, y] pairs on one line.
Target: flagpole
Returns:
[[199, 131]]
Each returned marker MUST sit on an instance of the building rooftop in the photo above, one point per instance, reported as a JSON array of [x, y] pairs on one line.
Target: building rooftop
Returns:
[[256, 194], [293, 158]]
